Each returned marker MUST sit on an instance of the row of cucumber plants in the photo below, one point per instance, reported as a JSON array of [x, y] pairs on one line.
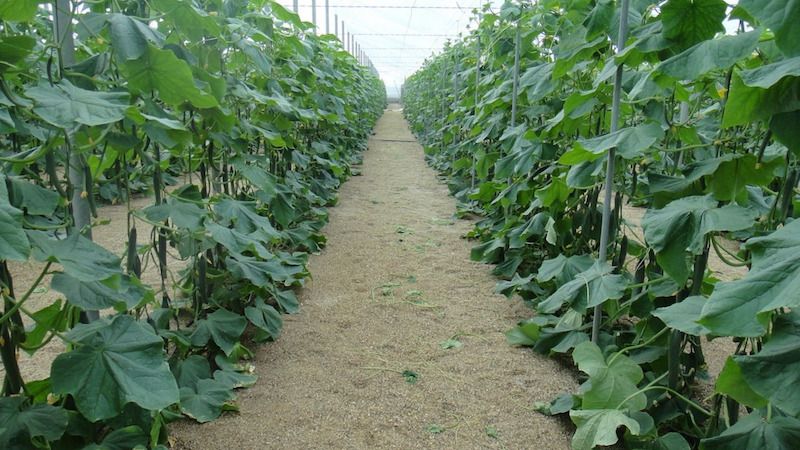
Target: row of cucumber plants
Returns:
[[103, 99], [549, 117]]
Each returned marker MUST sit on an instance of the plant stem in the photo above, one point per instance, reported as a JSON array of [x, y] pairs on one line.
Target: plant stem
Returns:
[[671, 391], [638, 346], [18, 304]]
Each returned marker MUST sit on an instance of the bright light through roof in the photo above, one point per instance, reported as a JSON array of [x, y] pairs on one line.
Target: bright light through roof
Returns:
[[397, 35]]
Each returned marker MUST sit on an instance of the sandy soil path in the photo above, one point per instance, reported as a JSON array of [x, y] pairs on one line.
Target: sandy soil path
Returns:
[[393, 284]]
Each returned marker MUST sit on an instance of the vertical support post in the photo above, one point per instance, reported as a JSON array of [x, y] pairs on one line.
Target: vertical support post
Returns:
[[314, 15], [296, 6], [327, 17], [477, 86], [336, 24], [454, 104], [605, 231], [515, 89]]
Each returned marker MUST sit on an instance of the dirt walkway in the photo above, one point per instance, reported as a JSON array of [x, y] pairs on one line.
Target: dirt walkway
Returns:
[[363, 365]]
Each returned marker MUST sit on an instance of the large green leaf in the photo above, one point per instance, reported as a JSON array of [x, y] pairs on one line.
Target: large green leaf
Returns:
[[612, 384], [265, 318], [562, 269], [81, 258], [630, 143], [244, 218], [184, 214], [693, 172], [766, 76], [130, 37], [18, 10], [732, 177], [117, 361], [587, 289], [683, 316], [537, 81], [669, 441], [774, 372], [161, 71], [744, 307], [237, 242], [19, 422], [285, 15], [555, 192], [598, 427], [759, 93], [130, 437], [713, 54], [66, 106], [14, 49], [192, 21], [120, 292], [287, 300], [202, 397], [33, 199], [223, 327], [781, 16], [731, 382], [691, 21], [784, 128], [266, 273], [14, 243], [679, 229], [754, 431], [525, 334]]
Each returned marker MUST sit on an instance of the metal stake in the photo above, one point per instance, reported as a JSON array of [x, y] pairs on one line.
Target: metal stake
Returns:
[[605, 231], [515, 89], [314, 14]]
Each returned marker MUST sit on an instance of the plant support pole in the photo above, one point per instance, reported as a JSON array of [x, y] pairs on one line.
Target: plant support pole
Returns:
[[314, 14], [515, 86], [327, 17], [514, 93], [609, 183], [477, 84]]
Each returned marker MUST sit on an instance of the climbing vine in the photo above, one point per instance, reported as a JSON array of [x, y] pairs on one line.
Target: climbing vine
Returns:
[[105, 100], [551, 118]]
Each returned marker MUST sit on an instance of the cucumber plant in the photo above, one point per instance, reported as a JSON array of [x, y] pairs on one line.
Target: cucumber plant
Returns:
[[264, 117], [663, 110]]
